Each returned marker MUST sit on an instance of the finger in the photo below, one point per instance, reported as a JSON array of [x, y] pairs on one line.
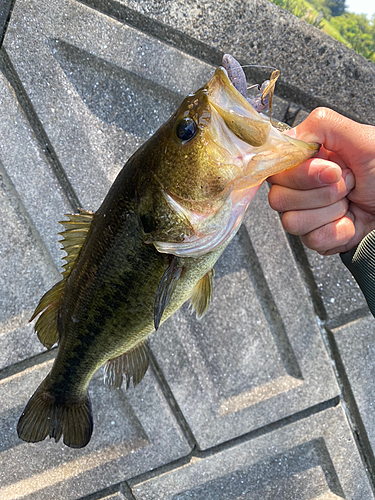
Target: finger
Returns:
[[313, 173], [284, 199], [337, 133], [301, 222], [326, 154], [331, 238]]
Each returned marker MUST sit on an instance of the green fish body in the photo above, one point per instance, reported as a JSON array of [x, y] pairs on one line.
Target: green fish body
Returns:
[[150, 246]]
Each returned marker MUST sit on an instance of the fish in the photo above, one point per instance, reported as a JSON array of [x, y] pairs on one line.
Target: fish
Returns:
[[150, 247]]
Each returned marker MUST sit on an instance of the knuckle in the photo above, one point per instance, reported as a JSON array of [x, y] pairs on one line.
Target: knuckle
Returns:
[[343, 206], [333, 194], [276, 198], [316, 240], [321, 114], [292, 222]]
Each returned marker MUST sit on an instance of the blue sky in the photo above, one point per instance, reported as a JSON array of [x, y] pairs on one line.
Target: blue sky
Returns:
[[361, 6]]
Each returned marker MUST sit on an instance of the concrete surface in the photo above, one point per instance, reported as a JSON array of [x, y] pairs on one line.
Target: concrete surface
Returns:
[[270, 395]]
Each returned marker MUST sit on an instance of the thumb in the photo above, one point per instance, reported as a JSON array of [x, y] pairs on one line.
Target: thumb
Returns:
[[349, 139]]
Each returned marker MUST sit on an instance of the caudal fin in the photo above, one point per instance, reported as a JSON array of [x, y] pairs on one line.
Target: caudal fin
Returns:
[[43, 417]]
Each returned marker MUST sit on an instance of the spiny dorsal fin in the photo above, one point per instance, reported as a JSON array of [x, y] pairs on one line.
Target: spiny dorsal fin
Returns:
[[76, 229], [201, 295], [131, 364]]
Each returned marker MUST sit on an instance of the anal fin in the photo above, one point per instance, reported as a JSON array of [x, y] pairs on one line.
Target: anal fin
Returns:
[[202, 294], [132, 364]]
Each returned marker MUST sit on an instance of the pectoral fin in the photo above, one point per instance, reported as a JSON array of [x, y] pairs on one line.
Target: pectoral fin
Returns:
[[131, 364], [165, 290], [202, 293]]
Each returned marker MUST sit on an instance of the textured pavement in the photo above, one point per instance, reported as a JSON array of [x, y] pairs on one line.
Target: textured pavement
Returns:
[[271, 395]]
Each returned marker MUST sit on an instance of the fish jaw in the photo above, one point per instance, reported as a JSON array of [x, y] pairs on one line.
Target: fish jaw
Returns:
[[201, 244], [265, 150]]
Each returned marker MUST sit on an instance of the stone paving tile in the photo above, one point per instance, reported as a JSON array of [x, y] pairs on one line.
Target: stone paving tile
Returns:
[[31, 204], [32, 178], [74, 82], [338, 289], [257, 356], [133, 433], [355, 342], [313, 458]]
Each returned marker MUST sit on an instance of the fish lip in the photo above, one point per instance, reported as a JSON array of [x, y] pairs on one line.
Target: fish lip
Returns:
[[238, 114], [219, 86], [314, 146]]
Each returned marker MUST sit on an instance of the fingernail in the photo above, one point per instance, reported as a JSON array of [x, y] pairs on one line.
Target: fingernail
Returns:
[[329, 175], [350, 181], [291, 133]]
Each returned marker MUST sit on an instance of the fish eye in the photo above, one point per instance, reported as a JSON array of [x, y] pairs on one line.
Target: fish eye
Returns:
[[186, 129]]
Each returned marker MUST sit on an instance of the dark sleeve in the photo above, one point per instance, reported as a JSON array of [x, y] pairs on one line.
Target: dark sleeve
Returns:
[[361, 263]]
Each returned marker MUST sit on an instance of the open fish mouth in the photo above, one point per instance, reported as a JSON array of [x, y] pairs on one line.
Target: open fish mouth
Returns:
[[265, 149], [239, 115]]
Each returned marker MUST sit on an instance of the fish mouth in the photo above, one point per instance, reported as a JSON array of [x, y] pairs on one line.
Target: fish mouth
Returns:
[[265, 150], [239, 115]]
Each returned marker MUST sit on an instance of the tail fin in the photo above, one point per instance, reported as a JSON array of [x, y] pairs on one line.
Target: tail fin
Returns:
[[44, 416]]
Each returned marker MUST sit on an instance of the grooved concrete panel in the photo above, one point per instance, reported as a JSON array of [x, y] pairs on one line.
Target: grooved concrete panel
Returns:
[[35, 185], [22, 277], [95, 79], [309, 459], [100, 88], [259, 32], [356, 346], [257, 356], [5, 6], [30, 205], [338, 289], [132, 434]]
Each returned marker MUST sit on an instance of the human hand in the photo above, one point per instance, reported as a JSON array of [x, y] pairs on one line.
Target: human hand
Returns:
[[329, 200]]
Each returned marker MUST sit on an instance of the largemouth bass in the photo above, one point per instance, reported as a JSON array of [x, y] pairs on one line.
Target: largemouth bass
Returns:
[[151, 246]]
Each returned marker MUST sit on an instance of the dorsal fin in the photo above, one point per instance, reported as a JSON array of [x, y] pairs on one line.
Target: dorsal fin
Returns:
[[201, 295], [76, 229], [131, 364]]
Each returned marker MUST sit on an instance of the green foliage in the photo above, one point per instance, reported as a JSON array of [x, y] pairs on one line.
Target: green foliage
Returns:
[[358, 31], [302, 9], [296, 7], [354, 30], [327, 28], [321, 6]]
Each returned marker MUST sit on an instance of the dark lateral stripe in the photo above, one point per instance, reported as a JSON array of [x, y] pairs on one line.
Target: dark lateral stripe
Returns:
[[361, 263]]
